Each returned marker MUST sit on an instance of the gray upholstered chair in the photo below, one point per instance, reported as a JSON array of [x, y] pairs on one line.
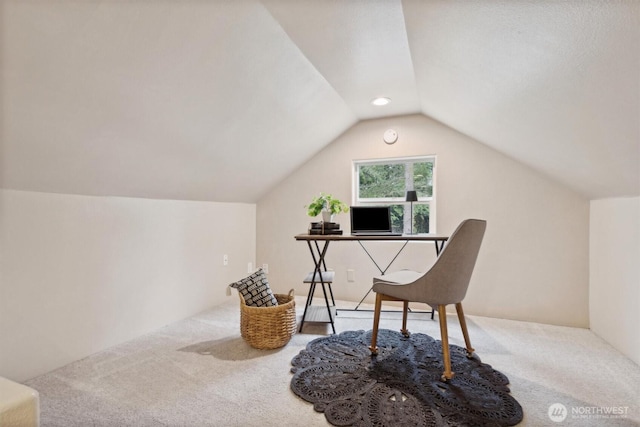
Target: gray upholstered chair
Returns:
[[446, 282]]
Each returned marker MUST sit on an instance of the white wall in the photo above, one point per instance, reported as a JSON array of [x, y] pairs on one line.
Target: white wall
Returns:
[[80, 274], [614, 286], [534, 261]]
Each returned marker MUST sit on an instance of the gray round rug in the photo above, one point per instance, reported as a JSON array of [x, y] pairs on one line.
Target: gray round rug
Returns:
[[400, 386]]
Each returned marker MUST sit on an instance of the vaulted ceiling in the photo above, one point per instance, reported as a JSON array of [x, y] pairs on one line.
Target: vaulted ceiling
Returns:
[[220, 100]]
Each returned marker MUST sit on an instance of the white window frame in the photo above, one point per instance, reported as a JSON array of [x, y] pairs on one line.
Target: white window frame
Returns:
[[431, 201]]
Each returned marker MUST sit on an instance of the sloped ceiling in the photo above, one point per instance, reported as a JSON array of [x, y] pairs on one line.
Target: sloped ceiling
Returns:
[[220, 100]]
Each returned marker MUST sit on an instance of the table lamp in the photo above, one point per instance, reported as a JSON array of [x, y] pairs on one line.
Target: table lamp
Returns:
[[412, 196]]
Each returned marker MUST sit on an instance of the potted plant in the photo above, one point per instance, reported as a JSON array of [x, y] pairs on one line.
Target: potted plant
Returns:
[[327, 205]]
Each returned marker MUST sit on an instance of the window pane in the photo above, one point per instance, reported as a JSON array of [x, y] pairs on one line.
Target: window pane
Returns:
[[397, 218], [423, 178], [420, 218], [380, 181]]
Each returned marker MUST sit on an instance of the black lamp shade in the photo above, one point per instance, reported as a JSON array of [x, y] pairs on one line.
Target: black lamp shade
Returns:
[[412, 196]]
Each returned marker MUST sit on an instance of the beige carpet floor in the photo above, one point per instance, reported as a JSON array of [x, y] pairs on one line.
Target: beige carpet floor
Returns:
[[199, 372]]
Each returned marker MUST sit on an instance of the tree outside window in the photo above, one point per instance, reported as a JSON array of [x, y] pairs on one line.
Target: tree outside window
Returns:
[[386, 182]]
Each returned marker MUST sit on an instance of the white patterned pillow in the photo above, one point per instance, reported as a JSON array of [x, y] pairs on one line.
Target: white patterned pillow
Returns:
[[255, 290]]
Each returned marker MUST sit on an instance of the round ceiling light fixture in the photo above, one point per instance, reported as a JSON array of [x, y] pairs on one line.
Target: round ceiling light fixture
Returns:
[[379, 102]]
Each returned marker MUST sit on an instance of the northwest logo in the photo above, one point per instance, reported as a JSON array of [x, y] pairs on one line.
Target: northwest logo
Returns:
[[557, 412]]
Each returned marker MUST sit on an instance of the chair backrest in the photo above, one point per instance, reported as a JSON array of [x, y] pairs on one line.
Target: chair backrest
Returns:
[[448, 279]]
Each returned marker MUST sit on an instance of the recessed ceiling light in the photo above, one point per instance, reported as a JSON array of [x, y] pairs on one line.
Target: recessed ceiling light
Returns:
[[379, 102]]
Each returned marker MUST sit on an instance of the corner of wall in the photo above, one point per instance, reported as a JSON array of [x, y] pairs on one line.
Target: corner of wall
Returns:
[[614, 273]]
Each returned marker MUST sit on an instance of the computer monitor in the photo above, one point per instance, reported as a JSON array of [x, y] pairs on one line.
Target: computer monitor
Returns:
[[370, 219]]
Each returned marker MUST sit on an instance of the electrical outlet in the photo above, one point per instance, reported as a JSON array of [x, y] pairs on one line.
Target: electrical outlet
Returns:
[[225, 259], [265, 268], [228, 291], [250, 267], [351, 275]]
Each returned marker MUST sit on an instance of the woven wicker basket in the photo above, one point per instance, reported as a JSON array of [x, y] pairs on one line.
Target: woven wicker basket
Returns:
[[268, 327]]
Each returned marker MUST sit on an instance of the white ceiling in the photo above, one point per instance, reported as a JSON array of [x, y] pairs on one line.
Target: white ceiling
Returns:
[[220, 100]]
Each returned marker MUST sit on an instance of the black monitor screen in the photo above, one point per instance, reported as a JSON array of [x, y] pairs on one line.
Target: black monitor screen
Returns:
[[370, 218]]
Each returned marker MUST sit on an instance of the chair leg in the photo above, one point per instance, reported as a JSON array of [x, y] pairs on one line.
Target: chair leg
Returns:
[[376, 322], [444, 336], [405, 309], [465, 332]]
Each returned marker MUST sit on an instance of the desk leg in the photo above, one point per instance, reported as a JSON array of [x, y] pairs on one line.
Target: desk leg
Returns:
[[324, 291], [439, 245], [378, 267], [390, 262], [320, 267], [363, 298]]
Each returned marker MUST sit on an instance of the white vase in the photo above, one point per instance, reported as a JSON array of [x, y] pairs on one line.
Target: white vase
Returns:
[[327, 216]]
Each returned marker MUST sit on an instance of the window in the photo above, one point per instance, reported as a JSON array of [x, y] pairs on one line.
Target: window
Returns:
[[386, 182]]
